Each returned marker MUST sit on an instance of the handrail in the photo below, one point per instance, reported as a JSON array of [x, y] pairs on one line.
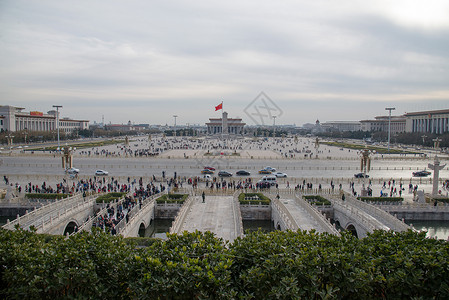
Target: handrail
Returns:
[[182, 214], [72, 210], [238, 223], [289, 222], [393, 222], [29, 218], [363, 218], [87, 226], [145, 203], [317, 215]]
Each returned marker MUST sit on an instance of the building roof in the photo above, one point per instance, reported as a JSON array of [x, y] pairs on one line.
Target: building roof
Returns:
[[428, 112]]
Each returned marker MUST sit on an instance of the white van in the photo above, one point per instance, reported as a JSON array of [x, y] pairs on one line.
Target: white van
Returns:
[[269, 178]]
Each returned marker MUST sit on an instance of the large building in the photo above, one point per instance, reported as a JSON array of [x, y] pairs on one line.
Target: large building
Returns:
[[342, 126], [15, 119], [434, 121], [380, 123], [225, 125]]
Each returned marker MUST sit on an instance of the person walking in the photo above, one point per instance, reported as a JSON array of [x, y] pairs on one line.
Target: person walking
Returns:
[[203, 196]]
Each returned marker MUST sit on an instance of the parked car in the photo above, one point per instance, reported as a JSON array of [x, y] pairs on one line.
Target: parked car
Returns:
[[264, 171], [224, 174], [209, 168], [72, 171], [207, 171], [207, 177], [421, 173], [360, 175], [279, 174], [243, 173], [101, 172]]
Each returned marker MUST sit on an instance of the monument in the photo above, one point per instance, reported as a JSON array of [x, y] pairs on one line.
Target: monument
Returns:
[[436, 168]]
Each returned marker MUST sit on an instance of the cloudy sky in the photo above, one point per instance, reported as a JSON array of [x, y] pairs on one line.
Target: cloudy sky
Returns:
[[146, 61]]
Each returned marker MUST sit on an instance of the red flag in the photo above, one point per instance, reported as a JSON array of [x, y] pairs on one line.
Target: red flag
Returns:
[[219, 106]]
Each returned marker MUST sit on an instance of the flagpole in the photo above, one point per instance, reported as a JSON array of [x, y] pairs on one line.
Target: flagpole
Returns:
[[222, 121]]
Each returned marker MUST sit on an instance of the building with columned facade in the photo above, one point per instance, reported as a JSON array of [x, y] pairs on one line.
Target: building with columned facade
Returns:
[[380, 123], [433, 121], [15, 119], [225, 125]]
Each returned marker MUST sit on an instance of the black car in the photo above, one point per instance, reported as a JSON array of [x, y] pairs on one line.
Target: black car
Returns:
[[421, 174], [360, 175], [224, 174], [243, 173]]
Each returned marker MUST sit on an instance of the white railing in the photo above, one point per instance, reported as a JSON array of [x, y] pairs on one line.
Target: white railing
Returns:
[[359, 216], [87, 226], [238, 223], [284, 214], [31, 217], [49, 223], [381, 215], [147, 204], [182, 214], [320, 218]]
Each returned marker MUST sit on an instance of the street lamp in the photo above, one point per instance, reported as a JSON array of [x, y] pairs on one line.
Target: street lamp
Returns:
[[57, 121], [389, 125], [175, 116]]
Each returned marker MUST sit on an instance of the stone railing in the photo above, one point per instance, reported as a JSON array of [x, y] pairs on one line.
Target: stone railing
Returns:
[[284, 214], [359, 216], [123, 226], [238, 222], [182, 214], [29, 218], [381, 215], [87, 226], [320, 218]]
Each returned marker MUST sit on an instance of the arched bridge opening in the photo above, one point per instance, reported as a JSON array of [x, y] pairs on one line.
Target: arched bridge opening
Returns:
[[70, 228], [351, 228]]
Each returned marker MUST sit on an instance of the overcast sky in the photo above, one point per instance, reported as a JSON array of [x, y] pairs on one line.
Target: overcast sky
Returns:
[[146, 61]]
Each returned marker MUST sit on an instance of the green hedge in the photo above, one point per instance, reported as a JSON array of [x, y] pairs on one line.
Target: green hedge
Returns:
[[381, 199], [277, 265], [46, 196], [110, 197], [172, 198], [317, 200], [263, 200]]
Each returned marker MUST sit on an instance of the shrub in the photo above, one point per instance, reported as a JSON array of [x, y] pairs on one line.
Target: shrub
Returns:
[[110, 197], [381, 199], [317, 200], [172, 198], [277, 265], [46, 196], [263, 200]]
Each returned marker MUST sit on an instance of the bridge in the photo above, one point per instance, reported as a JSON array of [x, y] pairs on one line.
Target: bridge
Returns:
[[221, 214], [57, 217]]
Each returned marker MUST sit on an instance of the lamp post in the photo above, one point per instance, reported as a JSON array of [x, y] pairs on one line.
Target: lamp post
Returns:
[[57, 121], [389, 124], [175, 116]]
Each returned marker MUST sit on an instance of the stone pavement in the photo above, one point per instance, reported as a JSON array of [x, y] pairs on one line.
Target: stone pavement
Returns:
[[302, 218], [215, 215]]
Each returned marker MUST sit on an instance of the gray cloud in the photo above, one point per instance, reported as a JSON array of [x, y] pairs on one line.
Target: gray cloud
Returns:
[[162, 57]]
